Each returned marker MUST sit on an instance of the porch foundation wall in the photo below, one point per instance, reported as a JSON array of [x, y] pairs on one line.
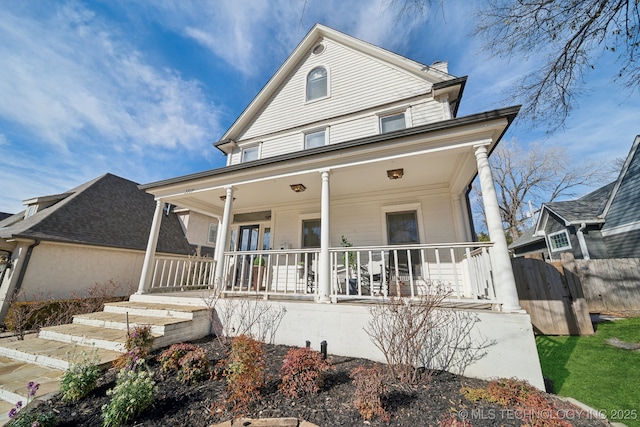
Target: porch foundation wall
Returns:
[[506, 340]]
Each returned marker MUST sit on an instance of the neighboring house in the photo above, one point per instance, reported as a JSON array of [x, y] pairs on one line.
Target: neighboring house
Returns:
[[94, 233], [347, 180], [603, 224]]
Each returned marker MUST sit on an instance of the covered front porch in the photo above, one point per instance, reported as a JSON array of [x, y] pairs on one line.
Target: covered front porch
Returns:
[[371, 218]]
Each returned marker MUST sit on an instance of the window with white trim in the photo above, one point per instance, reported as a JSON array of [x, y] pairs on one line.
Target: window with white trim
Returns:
[[559, 241], [250, 153], [311, 233], [392, 122], [213, 232], [317, 83], [31, 210], [315, 139]]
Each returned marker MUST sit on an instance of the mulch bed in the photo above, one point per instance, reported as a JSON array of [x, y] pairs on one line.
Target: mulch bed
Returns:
[[190, 405]]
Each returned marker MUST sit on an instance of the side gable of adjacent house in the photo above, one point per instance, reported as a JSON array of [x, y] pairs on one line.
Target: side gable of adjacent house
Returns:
[[363, 83], [621, 229], [108, 211], [112, 212]]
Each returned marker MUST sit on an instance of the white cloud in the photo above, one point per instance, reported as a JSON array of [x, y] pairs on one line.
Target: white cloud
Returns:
[[74, 78]]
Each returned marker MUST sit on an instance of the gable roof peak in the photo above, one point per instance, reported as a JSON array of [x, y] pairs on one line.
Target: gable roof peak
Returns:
[[435, 73]]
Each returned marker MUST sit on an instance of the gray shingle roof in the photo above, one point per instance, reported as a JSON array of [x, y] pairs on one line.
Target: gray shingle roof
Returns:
[[585, 209], [526, 238], [107, 211]]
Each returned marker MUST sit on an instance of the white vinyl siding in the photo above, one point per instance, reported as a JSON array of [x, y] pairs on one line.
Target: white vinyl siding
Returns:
[[350, 91], [359, 218], [344, 129], [426, 112]]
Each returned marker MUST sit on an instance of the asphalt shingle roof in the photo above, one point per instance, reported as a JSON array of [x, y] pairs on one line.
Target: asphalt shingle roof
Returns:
[[107, 211], [587, 208]]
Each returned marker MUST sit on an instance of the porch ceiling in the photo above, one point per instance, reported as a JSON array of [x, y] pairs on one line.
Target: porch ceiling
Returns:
[[450, 169]]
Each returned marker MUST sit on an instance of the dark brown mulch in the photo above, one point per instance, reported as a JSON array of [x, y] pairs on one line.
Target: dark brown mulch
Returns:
[[189, 405]]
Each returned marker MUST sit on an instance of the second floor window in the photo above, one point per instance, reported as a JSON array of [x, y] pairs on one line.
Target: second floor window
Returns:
[[317, 83], [315, 139], [250, 153], [392, 122]]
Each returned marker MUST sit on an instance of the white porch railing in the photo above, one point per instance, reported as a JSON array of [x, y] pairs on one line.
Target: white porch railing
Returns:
[[361, 272], [171, 273]]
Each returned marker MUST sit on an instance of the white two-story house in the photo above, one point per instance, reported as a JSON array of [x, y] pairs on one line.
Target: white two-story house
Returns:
[[346, 181]]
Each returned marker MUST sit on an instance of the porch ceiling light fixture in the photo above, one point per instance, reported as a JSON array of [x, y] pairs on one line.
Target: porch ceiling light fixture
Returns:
[[298, 188], [395, 173]]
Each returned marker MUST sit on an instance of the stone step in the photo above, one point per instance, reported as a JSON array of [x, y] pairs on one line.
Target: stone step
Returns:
[[116, 320], [5, 407], [87, 335], [156, 310], [15, 375], [51, 354]]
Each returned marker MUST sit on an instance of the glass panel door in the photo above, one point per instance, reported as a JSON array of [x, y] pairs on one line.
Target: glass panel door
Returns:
[[247, 241]]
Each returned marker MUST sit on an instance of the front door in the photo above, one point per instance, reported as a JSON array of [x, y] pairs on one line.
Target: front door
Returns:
[[247, 241], [402, 229]]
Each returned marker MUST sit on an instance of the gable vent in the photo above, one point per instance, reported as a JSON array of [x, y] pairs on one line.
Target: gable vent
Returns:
[[318, 49]]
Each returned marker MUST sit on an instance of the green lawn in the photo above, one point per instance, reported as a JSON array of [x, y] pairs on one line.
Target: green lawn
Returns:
[[604, 377]]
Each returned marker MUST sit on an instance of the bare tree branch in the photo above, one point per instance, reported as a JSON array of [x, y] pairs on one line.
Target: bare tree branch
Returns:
[[539, 174], [573, 34]]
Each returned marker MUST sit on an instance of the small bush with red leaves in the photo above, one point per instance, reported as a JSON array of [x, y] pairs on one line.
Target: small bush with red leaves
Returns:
[[302, 372], [170, 358], [194, 367], [370, 389], [245, 372], [190, 361]]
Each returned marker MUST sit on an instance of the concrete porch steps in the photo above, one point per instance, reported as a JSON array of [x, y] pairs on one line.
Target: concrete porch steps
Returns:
[[43, 358]]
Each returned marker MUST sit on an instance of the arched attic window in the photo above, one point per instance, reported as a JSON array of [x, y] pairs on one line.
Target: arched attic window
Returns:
[[317, 83]]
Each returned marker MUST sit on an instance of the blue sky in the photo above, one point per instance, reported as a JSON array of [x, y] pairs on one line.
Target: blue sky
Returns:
[[142, 89]]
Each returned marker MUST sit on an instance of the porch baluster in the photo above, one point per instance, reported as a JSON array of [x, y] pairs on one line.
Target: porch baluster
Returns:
[[456, 281], [411, 281], [439, 265]]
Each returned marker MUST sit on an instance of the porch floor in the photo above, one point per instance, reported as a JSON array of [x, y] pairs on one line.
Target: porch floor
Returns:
[[198, 298]]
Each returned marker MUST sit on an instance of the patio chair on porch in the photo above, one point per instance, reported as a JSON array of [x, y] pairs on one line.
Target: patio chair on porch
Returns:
[[404, 265], [373, 281]]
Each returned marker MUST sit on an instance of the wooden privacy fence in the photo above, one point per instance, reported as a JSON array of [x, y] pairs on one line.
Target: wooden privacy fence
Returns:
[[611, 285], [552, 296]]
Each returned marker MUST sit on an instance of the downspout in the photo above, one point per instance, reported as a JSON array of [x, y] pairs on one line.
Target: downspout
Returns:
[[582, 242], [25, 263], [7, 267]]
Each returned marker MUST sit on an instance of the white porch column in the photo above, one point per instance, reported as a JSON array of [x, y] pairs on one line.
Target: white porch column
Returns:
[[459, 218], [503, 273], [223, 237], [324, 266], [149, 255]]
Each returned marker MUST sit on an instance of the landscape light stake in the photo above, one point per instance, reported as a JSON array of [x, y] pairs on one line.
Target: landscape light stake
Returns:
[[323, 349]]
